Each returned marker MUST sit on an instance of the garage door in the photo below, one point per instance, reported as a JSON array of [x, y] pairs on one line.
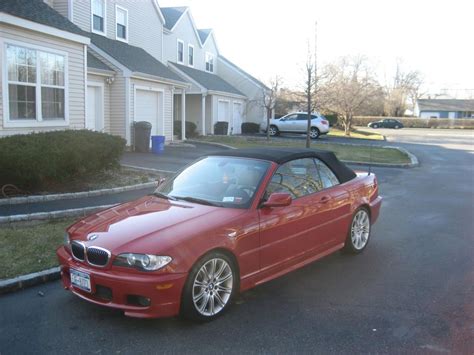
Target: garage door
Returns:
[[146, 109], [223, 112]]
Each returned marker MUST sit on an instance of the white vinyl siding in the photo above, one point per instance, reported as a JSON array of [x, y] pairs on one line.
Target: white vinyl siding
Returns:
[[60, 6], [75, 75]]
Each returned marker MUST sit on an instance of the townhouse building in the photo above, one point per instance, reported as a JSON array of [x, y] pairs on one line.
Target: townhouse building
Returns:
[[104, 64]]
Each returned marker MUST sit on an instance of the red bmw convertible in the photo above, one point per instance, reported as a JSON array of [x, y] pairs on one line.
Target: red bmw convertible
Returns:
[[226, 223]]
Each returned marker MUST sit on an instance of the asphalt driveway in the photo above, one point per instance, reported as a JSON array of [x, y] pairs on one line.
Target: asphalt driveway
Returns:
[[411, 291]]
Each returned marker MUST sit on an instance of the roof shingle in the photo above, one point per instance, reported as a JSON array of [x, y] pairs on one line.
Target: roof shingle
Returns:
[[445, 105], [134, 58], [209, 81], [172, 15], [38, 11], [93, 62]]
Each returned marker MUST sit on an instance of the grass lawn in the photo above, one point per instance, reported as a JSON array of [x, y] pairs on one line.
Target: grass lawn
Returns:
[[353, 153], [357, 133], [28, 247]]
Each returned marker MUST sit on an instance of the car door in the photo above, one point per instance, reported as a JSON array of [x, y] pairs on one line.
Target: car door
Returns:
[[292, 233], [288, 123], [302, 123]]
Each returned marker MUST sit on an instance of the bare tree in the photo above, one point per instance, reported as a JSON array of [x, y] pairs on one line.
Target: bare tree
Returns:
[[270, 95], [406, 86], [346, 87], [309, 92]]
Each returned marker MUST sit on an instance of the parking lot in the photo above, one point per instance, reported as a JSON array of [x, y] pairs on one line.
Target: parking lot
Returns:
[[411, 291]]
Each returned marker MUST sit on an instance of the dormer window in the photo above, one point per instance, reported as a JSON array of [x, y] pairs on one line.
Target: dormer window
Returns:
[[98, 16], [209, 62], [180, 57], [191, 55], [121, 16]]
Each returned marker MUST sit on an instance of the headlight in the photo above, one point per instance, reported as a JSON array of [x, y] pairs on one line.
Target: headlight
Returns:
[[142, 261]]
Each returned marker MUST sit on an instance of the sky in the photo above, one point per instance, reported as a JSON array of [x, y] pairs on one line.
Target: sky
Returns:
[[268, 38]]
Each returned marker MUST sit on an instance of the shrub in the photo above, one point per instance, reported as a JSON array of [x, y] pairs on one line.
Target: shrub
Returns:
[[250, 127], [36, 160], [191, 129], [332, 118]]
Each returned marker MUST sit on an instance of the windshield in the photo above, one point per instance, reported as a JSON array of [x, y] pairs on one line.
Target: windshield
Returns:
[[219, 181]]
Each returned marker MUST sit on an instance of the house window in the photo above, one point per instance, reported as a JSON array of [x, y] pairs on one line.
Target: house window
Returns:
[[98, 16], [191, 55], [209, 62], [180, 51], [36, 84], [121, 16]]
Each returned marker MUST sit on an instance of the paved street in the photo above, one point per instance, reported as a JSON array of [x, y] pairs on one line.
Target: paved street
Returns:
[[411, 291]]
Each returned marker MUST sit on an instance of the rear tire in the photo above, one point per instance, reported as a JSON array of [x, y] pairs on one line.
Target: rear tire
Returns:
[[274, 131], [314, 133], [397, 127], [210, 288], [358, 235]]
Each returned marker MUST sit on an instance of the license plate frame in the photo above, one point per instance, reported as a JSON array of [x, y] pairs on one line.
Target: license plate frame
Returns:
[[81, 280]]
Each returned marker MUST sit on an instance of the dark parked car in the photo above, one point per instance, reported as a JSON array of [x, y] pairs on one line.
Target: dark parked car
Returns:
[[386, 123]]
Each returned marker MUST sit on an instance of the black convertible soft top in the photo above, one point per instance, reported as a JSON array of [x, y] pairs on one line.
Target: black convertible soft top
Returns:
[[283, 155]]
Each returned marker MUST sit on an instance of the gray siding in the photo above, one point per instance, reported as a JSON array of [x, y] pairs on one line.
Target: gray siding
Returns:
[[255, 111], [185, 32], [144, 24], [82, 14], [60, 6], [76, 79]]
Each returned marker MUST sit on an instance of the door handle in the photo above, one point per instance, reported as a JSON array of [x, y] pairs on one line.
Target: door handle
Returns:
[[324, 199]]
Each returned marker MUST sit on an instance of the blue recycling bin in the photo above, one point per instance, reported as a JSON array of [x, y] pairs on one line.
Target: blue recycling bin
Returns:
[[157, 144]]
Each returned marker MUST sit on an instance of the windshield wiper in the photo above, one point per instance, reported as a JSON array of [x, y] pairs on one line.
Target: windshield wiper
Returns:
[[198, 200], [162, 195]]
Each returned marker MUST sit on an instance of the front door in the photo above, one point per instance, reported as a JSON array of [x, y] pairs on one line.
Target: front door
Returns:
[[94, 115], [237, 118], [288, 123]]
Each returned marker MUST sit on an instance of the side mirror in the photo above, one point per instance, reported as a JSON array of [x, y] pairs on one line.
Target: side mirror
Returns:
[[278, 199], [160, 181]]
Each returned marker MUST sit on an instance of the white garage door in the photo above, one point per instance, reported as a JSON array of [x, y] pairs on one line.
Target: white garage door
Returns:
[[146, 109], [237, 118]]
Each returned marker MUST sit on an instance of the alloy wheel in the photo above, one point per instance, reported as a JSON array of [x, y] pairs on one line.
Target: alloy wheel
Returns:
[[212, 287], [360, 229]]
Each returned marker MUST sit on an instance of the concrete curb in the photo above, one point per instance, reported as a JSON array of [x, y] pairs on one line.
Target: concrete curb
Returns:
[[413, 159], [20, 282], [52, 215], [214, 143], [148, 169], [74, 195]]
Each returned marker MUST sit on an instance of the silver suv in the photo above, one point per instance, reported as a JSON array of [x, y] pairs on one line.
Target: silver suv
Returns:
[[297, 123]]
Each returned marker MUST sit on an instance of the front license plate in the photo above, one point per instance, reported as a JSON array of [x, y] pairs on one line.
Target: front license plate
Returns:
[[80, 280]]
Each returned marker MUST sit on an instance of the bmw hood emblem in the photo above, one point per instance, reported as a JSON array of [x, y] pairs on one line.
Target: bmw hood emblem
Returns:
[[92, 237]]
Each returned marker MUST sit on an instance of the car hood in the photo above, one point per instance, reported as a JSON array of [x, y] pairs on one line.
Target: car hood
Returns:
[[137, 226]]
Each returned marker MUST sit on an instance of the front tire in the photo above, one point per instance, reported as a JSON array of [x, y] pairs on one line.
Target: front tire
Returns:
[[210, 288], [359, 232], [375, 126], [314, 133]]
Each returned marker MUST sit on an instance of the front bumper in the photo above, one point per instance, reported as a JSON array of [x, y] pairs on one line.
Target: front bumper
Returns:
[[122, 288]]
